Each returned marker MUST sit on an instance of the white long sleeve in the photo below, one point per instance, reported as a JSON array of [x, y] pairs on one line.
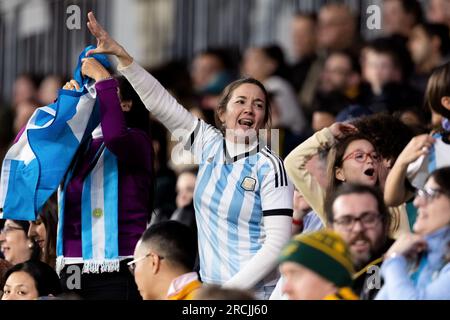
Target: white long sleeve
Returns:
[[157, 99], [278, 232]]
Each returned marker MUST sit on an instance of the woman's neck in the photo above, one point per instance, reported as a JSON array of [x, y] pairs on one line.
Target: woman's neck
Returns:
[[235, 148]]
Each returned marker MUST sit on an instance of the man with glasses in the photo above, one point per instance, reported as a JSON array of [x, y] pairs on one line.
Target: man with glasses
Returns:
[[358, 214], [163, 262]]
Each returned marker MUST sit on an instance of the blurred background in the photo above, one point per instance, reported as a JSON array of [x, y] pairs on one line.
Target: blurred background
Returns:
[[34, 37], [321, 61]]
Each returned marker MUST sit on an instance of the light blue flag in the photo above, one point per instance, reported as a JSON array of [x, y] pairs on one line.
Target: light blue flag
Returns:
[[35, 165]]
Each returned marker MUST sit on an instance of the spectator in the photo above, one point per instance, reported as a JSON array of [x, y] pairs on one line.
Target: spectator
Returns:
[[25, 89], [417, 266], [210, 73], [341, 73], [358, 214], [337, 28], [301, 209], [429, 45], [43, 232], [29, 281], [165, 177], [400, 16], [424, 153], [304, 43], [438, 11], [22, 113], [389, 135], [48, 89], [386, 66], [15, 244], [317, 266], [267, 65], [185, 195], [114, 171], [353, 159], [164, 260], [243, 110]]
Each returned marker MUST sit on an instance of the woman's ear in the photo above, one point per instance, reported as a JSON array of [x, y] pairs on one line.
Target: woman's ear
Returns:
[[339, 174], [445, 101], [221, 114], [126, 105]]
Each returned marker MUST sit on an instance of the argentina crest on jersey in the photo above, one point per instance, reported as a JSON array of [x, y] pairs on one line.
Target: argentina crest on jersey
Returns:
[[248, 184]]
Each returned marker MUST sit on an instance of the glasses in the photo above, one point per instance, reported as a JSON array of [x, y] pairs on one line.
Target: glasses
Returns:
[[361, 157], [7, 229], [367, 219], [428, 194], [132, 264]]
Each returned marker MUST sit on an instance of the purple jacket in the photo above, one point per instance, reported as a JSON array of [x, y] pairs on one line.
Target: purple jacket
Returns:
[[132, 147]]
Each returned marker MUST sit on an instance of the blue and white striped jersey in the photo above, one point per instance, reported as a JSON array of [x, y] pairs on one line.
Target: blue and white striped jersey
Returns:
[[231, 197]]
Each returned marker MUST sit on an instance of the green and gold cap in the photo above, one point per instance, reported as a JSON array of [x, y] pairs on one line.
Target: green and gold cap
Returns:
[[323, 252]]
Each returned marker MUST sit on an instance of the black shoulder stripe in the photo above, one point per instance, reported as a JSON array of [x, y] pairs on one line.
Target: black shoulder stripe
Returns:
[[190, 142], [280, 166], [278, 212], [277, 182]]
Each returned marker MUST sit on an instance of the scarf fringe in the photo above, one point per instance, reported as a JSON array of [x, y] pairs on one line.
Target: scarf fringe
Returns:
[[92, 266]]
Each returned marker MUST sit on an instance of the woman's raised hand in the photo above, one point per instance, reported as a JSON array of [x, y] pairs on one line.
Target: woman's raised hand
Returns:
[[340, 129], [71, 85], [417, 147], [106, 44], [94, 69]]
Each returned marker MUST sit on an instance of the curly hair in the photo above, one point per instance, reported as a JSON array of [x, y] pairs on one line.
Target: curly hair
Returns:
[[388, 133]]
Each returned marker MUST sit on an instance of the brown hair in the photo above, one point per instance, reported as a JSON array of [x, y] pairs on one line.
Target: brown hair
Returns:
[[226, 96], [438, 86]]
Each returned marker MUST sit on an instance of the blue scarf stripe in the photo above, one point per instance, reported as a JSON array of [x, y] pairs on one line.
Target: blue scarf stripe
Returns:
[[59, 237], [86, 223], [111, 196]]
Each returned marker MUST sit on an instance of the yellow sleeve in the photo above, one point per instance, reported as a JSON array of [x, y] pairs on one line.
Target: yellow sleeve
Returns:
[[303, 180]]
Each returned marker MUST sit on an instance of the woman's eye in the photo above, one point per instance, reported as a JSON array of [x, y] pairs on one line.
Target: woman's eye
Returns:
[[21, 293], [359, 156], [260, 105], [240, 101]]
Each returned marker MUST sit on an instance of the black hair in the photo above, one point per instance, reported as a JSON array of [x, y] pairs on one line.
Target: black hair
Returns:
[[173, 241], [414, 8], [350, 188], [49, 217], [352, 58], [442, 177], [396, 47], [138, 117], [45, 278], [312, 16], [442, 32], [275, 53]]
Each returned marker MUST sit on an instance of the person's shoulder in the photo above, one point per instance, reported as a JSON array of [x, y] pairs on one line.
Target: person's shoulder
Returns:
[[267, 155]]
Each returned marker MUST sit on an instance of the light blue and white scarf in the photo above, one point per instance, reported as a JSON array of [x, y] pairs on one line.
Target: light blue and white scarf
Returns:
[[35, 165], [99, 217]]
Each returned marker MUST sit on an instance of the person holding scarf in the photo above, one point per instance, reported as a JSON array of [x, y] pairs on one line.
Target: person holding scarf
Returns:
[[105, 198]]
